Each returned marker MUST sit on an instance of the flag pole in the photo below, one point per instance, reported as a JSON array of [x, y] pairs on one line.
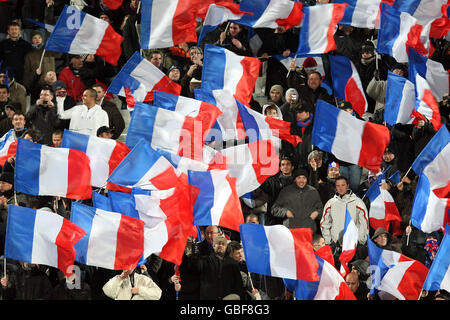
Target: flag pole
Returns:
[[295, 58], [42, 58], [407, 238], [4, 266]]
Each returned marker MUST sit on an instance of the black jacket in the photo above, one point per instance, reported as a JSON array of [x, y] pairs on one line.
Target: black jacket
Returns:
[[45, 120], [272, 187]]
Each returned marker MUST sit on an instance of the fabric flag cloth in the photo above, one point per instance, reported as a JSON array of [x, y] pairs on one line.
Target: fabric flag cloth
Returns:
[[77, 32], [8, 146], [398, 31], [225, 70], [214, 199], [441, 26], [425, 11], [170, 130], [113, 4], [349, 243], [41, 237], [361, 13], [218, 14], [186, 106], [142, 78], [348, 138], [166, 23], [426, 105], [45, 171], [279, 252], [145, 168], [203, 7], [432, 71], [45, 26], [347, 83], [394, 275], [251, 164], [400, 100], [104, 154], [383, 211], [272, 13], [438, 277], [112, 241], [330, 286], [318, 28]]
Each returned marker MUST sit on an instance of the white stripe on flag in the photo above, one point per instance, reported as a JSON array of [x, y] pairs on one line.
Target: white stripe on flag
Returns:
[[233, 71], [149, 210], [282, 252], [54, 171], [157, 168], [167, 130], [317, 36], [100, 152], [393, 277], [347, 142], [163, 12], [46, 229], [222, 192], [90, 35]]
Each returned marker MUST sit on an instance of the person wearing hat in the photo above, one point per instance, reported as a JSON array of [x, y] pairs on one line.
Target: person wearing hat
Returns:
[[174, 74], [299, 204], [326, 187], [276, 95], [384, 240]]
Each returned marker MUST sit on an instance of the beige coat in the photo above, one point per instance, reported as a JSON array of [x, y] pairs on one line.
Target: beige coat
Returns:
[[119, 289]]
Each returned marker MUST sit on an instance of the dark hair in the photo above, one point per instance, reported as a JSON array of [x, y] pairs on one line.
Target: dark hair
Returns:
[[341, 178], [58, 132], [35, 135], [4, 86], [232, 247], [150, 55], [93, 92], [316, 237], [97, 85], [316, 72], [18, 113], [271, 106], [13, 24], [48, 88]]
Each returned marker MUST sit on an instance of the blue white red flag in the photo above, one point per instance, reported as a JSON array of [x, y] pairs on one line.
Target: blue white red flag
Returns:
[[45, 26], [349, 243], [361, 13], [8, 146], [426, 104], [45, 171], [41, 237], [400, 100], [113, 4], [438, 277], [77, 32], [333, 128]]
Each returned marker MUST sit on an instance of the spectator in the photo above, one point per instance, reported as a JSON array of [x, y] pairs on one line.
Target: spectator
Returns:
[[57, 136], [104, 132], [288, 108], [354, 284], [326, 187], [50, 79], [6, 123], [383, 239], [63, 101], [86, 118], [174, 74], [156, 57], [71, 76], [276, 95], [252, 218], [194, 72], [348, 42], [4, 99], [18, 93], [235, 40]]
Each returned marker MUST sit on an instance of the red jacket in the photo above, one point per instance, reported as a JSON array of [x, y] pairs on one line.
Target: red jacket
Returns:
[[75, 87]]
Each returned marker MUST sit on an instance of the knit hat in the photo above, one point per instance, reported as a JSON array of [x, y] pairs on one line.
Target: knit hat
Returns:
[[7, 177], [58, 84], [173, 67], [299, 172], [345, 105], [367, 46], [333, 164], [278, 88], [35, 32]]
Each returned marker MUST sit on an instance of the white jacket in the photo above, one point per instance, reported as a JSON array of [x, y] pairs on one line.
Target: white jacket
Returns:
[[333, 217], [119, 289], [84, 120]]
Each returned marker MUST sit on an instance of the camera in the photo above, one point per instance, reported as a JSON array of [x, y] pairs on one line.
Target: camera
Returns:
[[44, 102]]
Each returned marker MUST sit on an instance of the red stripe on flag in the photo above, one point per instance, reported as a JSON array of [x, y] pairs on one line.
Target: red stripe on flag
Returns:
[[110, 48], [282, 130], [119, 153], [294, 19], [241, 133], [344, 292], [69, 234], [412, 281], [355, 95], [129, 244], [429, 99], [264, 159], [78, 175], [11, 152], [165, 180], [113, 4], [164, 85], [375, 138], [307, 265], [232, 215], [414, 40], [336, 16], [246, 85], [184, 23], [345, 257]]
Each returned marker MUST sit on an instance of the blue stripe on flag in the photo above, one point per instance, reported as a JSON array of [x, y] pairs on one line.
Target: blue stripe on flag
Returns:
[[124, 79], [205, 198], [123, 203], [420, 202], [256, 6], [349, 10], [341, 72], [20, 233], [28, 162], [305, 290], [100, 201], [146, 17], [394, 94], [213, 71], [249, 121], [325, 125], [75, 140], [409, 6], [82, 216], [389, 29], [256, 248], [165, 100], [141, 124], [303, 42]]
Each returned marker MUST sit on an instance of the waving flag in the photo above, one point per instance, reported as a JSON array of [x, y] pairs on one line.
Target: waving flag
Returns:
[[113, 241], [347, 83], [104, 154], [113, 4], [426, 104], [361, 13], [186, 106], [330, 286], [46, 171], [279, 252], [251, 164], [225, 70], [45, 26], [433, 72], [272, 13], [217, 202], [383, 211], [349, 243], [145, 168], [8, 146], [398, 31], [41, 237], [218, 14], [171, 131], [100, 201], [333, 129], [394, 274], [425, 11], [318, 28], [203, 7], [441, 26], [77, 32], [166, 23], [400, 100], [142, 78], [438, 277]]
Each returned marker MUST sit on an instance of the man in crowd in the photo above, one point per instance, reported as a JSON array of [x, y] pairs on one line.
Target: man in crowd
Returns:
[[116, 121]]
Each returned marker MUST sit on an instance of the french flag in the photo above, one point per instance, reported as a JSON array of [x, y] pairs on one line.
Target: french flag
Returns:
[[441, 26], [318, 28], [145, 168], [251, 164], [113, 4], [186, 106], [432, 71], [216, 201], [277, 251], [77, 32], [308, 62], [203, 7], [330, 286], [425, 11], [272, 13], [394, 275], [141, 77], [361, 13], [438, 277], [348, 138], [166, 23], [218, 14], [46, 171], [112, 241], [41, 237], [426, 104], [347, 83], [170, 130], [400, 100], [104, 154], [383, 211], [45, 26], [8, 146], [225, 70], [349, 243], [398, 31]]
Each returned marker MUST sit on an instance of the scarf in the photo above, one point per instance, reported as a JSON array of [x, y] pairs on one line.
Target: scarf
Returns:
[[367, 61], [304, 124], [431, 247]]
